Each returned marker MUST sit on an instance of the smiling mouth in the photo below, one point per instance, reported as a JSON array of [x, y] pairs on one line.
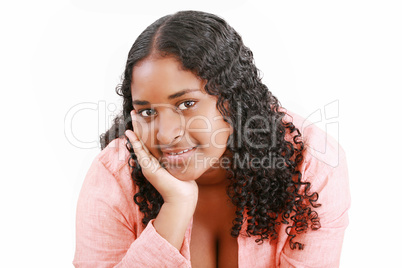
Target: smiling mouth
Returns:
[[178, 159], [182, 152]]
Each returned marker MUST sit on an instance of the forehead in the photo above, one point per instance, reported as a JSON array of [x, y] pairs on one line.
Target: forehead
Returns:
[[155, 78]]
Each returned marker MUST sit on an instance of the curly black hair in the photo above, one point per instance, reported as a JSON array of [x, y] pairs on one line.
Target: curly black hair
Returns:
[[270, 195]]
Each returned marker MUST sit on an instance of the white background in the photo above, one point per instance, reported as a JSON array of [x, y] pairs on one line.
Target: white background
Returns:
[[59, 54]]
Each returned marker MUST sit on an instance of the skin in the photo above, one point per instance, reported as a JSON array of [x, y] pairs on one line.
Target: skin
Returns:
[[167, 118], [177, 123]]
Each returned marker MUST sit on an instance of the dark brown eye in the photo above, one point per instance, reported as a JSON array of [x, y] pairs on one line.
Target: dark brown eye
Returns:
[[186, 104], [147, 112]]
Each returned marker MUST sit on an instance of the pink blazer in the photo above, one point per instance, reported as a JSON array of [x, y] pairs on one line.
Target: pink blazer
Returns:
[[109, 232]]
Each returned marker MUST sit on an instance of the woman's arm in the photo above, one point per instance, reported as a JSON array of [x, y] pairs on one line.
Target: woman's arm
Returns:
[[108, 227], [180, 197]]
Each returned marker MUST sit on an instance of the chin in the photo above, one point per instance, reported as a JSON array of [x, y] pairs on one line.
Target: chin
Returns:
[[185, 173]]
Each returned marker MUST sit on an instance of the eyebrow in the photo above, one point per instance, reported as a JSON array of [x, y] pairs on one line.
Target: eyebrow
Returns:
[[170, 97]]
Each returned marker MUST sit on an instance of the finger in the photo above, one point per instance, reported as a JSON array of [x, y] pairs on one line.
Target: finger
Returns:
[[135, 124], [135, 142], [150, 166], [149, 162], [143, 157]]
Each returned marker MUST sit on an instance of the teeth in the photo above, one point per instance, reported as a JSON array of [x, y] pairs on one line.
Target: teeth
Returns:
[[182, 152]]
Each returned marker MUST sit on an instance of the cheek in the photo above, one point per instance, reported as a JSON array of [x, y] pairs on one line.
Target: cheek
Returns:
[[210, 131], [220, 138], [200, 129], [220, 134]]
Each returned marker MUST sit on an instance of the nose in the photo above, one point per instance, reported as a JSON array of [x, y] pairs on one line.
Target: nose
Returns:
[[170, 127]]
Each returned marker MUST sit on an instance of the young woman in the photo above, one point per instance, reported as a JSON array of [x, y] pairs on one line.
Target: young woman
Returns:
[[204, 168]]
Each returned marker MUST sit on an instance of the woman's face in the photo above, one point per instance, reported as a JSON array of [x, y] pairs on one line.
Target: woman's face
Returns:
[[178, 121]]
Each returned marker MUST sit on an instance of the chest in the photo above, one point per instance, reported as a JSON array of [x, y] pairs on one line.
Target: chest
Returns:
[[211, 243]]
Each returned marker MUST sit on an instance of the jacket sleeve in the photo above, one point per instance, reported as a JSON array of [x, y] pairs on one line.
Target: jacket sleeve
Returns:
[[107, 228], [323, 246]]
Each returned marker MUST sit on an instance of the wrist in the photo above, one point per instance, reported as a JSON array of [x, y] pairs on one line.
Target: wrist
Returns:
[[183, 208], [172, 222], [188, 201]]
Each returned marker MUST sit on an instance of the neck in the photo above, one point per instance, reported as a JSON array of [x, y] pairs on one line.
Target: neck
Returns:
[[214, 189], [214, 202]]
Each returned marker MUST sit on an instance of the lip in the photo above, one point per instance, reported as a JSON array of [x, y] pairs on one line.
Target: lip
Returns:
[[176, 151], [178, 156]]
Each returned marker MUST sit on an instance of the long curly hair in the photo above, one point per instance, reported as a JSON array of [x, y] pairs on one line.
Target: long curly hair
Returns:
[[265, 196]]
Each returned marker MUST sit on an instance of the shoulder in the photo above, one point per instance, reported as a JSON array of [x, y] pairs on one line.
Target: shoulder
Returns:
[[109, 174], [322, 155], [115, 155], [325, 167], [319, 145], [108, 188]]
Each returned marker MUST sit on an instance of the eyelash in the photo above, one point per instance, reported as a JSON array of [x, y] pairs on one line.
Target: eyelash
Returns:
[[183, 102]]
